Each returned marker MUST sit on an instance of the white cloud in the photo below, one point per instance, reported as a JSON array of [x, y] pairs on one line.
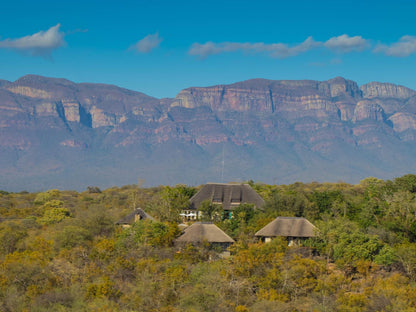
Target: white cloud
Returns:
[[404, 47], [345, 44], [278, 50], [41, 43], [206, 49], [148, 43], [281, 50]]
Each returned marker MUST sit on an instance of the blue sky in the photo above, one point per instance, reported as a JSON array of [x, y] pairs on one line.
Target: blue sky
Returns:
[[160, 47]]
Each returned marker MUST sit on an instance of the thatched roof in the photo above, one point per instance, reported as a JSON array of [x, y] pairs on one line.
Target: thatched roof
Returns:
[[228, 195], [130, 218], [204, 231], [288, 227], [182, 226]]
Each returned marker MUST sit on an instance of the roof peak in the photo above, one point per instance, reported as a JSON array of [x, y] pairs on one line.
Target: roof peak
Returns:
[[289, 227]]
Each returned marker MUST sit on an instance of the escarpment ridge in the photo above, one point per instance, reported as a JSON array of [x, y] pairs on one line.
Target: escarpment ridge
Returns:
[[57, 133]]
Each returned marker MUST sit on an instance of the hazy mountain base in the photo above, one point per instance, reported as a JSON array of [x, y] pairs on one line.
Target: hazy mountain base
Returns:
[[188, 163]]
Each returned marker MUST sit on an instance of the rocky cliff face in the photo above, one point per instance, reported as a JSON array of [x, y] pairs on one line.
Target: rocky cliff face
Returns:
[[403, 121], [222, 98], [291, 98], [386, 90], [342, 87], [368, 110], [56, 132], [92, 105]]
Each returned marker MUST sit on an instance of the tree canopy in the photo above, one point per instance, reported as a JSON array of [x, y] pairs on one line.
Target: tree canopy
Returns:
[[62, 251]]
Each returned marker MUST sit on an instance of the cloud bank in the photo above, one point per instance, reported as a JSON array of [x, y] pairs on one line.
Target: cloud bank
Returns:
[[346, 44], [340, 44], [42, 43], [148, 43], [278, 50], [404, 47]]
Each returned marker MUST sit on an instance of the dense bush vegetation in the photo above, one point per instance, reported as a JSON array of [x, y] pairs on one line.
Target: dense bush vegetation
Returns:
[[61, 251]]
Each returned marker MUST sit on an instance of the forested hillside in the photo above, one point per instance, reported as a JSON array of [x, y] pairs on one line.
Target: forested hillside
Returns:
[[62, 251]]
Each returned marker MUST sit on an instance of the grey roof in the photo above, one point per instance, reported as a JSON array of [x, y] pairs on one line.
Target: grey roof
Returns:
[[203, 231], [131, 217], [228, 194], [288, 226]]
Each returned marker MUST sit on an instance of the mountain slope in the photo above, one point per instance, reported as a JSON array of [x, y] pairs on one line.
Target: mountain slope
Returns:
[[56, 133]]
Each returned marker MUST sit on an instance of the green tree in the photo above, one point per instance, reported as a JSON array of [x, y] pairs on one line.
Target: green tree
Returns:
[[400, 214], [54, 212], [352, 247], [406, 256], [42, 198], [210, 211], [153, 233], [241, 219], [406, 183], [287, 203], [11, 233], [324, 200], [373, 204], [168, 205], [72, 235], [54, 215]]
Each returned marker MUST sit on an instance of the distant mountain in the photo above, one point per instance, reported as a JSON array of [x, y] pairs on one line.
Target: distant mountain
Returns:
[[58, 134]]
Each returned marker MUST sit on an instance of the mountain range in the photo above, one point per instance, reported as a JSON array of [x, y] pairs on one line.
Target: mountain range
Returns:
[[55, 133]]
